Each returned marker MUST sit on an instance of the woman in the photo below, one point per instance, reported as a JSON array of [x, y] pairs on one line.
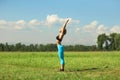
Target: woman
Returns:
[[60, 46]]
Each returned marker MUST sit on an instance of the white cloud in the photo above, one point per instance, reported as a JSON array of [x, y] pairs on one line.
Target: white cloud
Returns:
[[115, 29], [74, 22], [20, 24], [52, 19], [90, 27], [3, 22], [101, 29], [10, 25], [34, 23]]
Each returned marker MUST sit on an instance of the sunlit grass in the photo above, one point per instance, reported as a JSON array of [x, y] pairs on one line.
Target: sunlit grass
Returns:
[[45, 66]]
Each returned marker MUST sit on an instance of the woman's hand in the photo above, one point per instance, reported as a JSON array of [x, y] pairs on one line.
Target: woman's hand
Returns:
[[67, 21]]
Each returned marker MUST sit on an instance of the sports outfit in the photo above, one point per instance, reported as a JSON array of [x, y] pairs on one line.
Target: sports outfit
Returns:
[[60, 51]]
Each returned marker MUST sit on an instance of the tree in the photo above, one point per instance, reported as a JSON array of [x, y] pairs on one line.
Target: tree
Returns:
[[112, 40], [18, 47], [117, 42], [6, 47], [102, 41], [1, 47]]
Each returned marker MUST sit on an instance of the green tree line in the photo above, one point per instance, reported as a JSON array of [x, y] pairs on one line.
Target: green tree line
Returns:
[[23, 47], [41, 47], [109, 42], [104, 43]]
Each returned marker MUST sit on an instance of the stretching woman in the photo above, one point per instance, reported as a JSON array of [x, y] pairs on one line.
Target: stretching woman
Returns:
[[60, 46]]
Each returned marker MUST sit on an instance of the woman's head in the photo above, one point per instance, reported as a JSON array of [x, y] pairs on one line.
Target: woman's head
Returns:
[[64, 32]]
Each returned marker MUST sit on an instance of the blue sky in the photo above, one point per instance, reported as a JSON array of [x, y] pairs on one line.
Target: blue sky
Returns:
[[38, 21]]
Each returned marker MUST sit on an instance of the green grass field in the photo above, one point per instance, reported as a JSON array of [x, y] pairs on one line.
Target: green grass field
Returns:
[[45, 66]]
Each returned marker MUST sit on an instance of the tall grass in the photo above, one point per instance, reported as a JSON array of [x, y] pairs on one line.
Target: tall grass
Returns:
[[45, 66]]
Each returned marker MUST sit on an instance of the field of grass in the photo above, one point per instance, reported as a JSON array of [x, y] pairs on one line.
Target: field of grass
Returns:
[[45, 66]]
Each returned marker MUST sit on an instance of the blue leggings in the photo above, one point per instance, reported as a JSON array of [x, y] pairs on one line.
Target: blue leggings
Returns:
[[61, 54]]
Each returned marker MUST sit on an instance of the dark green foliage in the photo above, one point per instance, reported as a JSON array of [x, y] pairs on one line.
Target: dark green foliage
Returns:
[[29, 48], [41, 47], [109, 42]]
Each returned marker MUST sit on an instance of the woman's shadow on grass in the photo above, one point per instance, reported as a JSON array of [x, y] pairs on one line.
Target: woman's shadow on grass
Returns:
[[82, 70], [87, 69]]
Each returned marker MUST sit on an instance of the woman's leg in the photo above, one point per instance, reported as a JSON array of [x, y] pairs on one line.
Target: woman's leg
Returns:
[[62, 61], [61, 57]]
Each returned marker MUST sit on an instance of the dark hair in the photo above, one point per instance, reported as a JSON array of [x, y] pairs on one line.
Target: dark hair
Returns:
[[65, 31]]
